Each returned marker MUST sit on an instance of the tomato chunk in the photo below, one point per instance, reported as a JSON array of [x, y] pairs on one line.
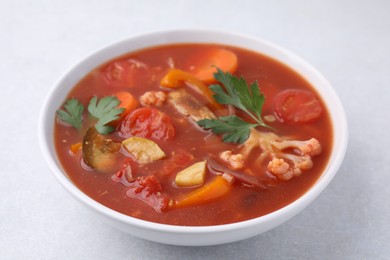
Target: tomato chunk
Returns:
[[177, 161], [294, 106], [148, 189], [124, 175], [149, 123]]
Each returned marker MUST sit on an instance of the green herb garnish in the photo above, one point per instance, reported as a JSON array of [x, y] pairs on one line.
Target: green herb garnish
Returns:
[[72, 113], [106, 111], [238, 93], [233, 128]]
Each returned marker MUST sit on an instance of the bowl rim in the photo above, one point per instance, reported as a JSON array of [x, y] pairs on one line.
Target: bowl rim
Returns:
[[293, 208]]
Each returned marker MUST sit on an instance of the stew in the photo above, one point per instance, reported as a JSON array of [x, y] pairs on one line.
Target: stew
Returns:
[[193, 134]]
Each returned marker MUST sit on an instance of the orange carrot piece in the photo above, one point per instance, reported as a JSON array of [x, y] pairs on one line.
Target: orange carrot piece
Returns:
[[128, 102], [75, 147], [207, 193], [176, 78], [206, 63]]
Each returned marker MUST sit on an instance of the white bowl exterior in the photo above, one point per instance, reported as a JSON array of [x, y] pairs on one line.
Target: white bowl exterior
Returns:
[[183, 235]]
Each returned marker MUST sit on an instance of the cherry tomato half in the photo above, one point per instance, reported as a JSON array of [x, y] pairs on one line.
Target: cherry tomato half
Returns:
[[294, 106], [149, 123]]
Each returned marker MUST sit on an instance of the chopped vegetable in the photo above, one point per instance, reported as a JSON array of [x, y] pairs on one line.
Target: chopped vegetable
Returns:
[[106, 111], [178, 160], [176, 78], [127, 102], [296, 106], [229, 178], [245, 178], [98, 151], [189, 106], [72, 113], [211, 191], [149, 123], [207, 61], [74, 148], [144, 150], [153, 98], [191, 176], [238, 94], [124, 175], [283, 164], [235, 161], [149, 190]]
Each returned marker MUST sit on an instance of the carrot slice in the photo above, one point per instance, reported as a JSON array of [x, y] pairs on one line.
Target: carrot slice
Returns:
[[207, 193], [176, 78], [128, 102], [207, 62], [75, 147]]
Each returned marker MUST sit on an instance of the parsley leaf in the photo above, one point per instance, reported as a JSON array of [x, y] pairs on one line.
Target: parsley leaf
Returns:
[[106, 111], [72, 113], [238, 93], [233, 128]]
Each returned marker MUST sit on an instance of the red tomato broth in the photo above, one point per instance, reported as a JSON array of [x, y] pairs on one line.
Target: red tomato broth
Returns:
[[241, 203]]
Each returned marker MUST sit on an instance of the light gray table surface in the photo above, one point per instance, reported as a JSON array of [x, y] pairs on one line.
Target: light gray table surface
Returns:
[[348, 41]]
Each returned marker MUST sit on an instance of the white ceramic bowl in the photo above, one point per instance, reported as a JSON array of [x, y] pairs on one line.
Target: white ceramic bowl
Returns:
[[184, 235]]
